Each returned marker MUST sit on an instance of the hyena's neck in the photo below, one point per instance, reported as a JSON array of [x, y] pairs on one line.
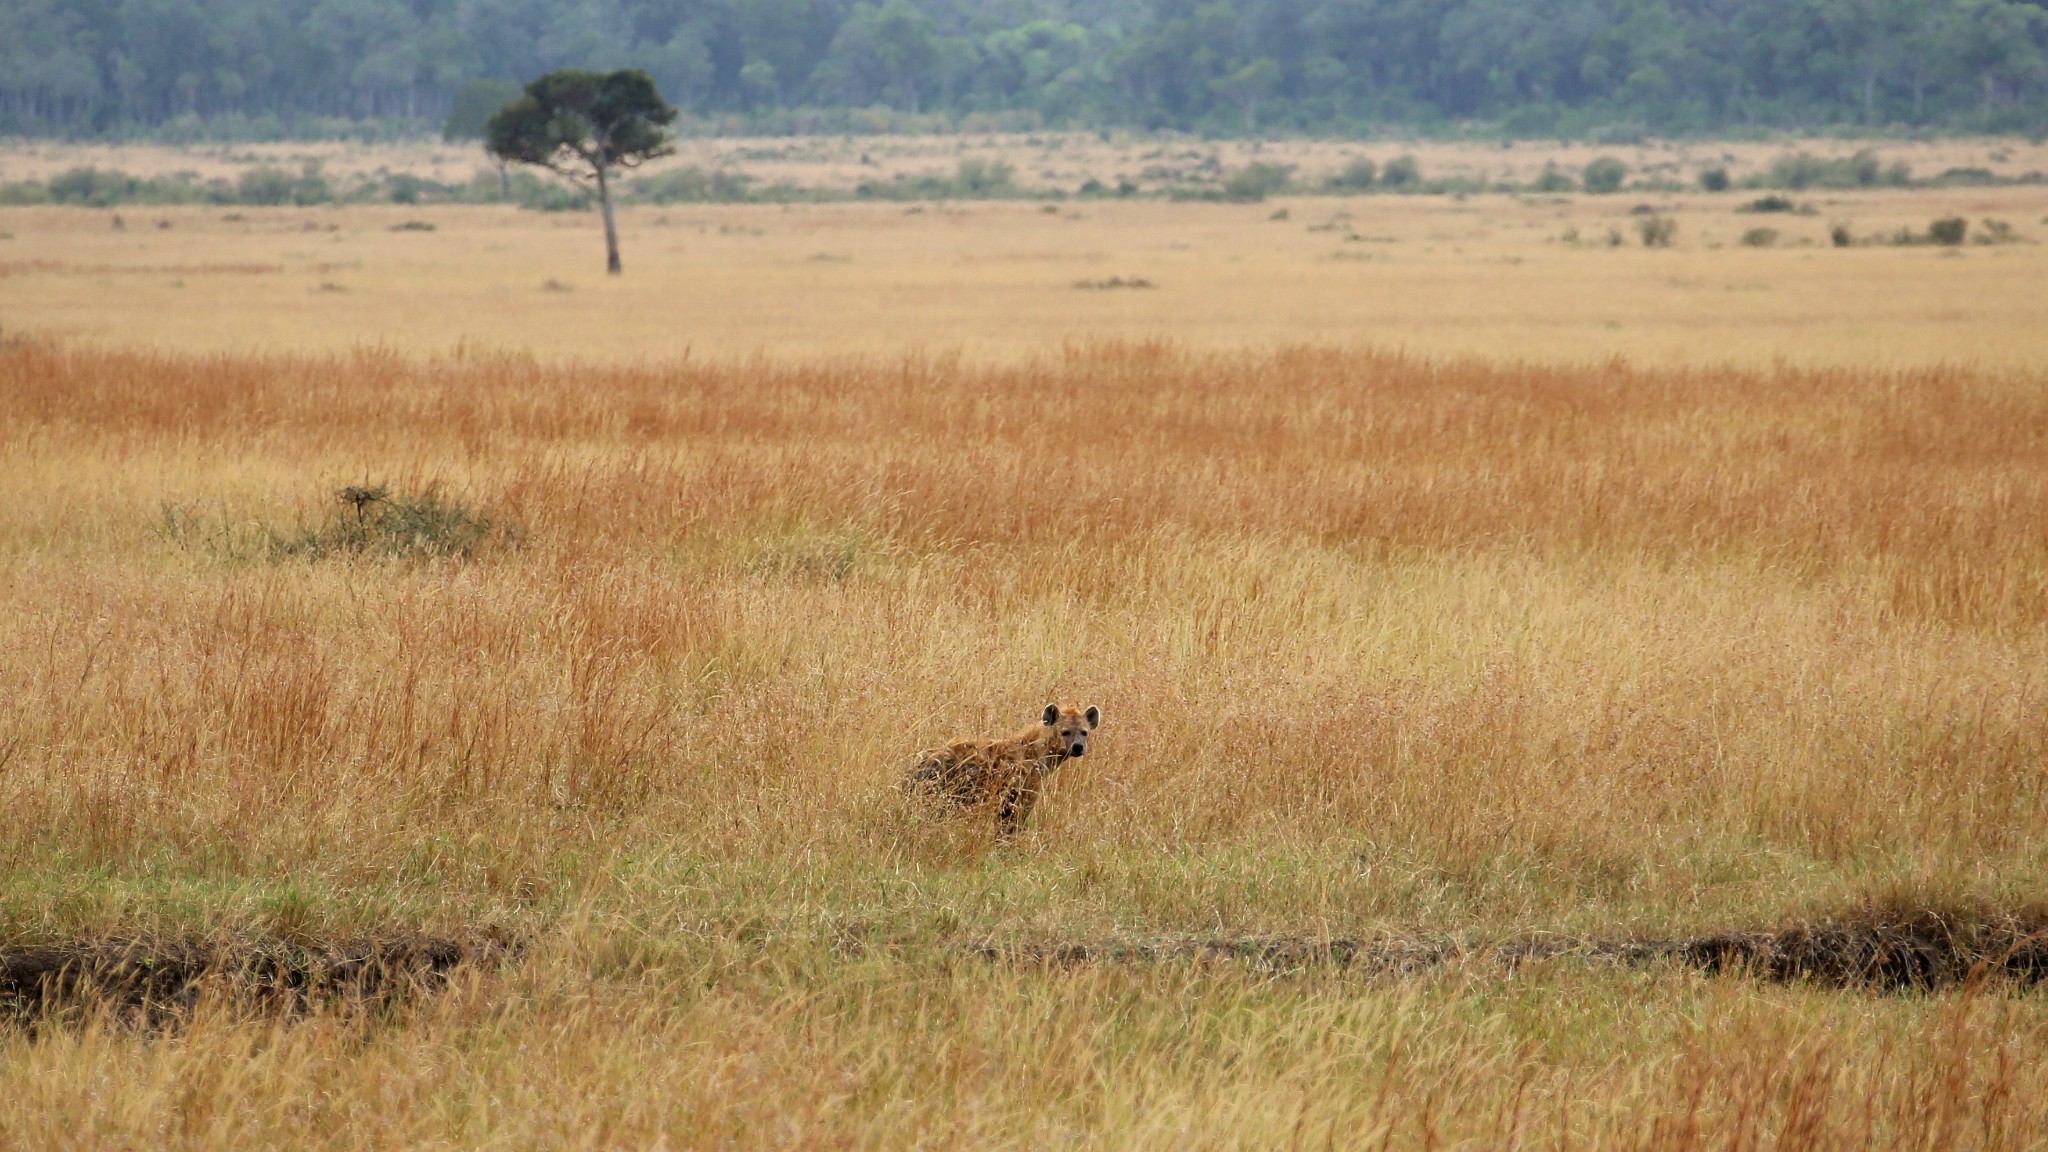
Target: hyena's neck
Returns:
[[1043, 742]]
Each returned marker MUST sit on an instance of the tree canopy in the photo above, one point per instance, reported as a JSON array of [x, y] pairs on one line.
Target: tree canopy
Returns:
[[583, 125], [1532, 67]]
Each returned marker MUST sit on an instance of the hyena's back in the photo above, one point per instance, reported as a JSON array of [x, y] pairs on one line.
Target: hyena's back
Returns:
[[973, 771]]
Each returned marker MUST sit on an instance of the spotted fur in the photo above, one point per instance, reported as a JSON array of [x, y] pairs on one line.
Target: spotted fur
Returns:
[[1004, 775]]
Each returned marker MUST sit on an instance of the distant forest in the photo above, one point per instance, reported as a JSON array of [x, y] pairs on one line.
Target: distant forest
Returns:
[[269, 68]]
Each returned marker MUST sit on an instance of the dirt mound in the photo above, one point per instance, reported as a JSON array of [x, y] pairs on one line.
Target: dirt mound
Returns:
[[1878, 952], [169, 975]]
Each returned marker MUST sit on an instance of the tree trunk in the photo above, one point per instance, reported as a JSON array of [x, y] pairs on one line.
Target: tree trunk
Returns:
[[611, 230]]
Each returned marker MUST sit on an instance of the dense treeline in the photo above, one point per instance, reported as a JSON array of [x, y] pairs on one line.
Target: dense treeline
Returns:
[[273, 67]]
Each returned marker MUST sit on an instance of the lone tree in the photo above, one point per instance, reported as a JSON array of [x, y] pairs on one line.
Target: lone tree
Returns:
[[583, 125]]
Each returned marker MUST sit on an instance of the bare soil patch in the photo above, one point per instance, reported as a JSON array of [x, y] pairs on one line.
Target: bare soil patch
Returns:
[[160, 977], [1924, 952]]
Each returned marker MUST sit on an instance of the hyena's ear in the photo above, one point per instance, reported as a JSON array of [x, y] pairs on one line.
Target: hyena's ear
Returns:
[[1093, 715], [1052, 715]]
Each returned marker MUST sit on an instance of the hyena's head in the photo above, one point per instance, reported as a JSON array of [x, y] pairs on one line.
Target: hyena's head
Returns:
[[1071, 726]]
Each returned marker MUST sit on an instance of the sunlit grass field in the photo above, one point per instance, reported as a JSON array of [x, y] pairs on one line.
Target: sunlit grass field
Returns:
[[1491, 590], [1387, 646]]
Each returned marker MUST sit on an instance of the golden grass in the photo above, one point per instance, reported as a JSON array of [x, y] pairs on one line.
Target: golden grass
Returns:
[[1387, 645], [1492, 276]]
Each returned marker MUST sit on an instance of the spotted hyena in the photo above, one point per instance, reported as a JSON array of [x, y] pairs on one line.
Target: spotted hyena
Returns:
[[1007, 774]]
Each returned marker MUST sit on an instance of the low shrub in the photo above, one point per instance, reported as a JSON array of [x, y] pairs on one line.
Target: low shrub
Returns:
[[1402, 172], [266, 185], [1604, 175], [373, 521], [972, 179], [693, 185], [1997, 232], [1967, 177], [1254, 182], [1356, 176], [1765, 204], [1093, 189], [1948, 231], [1864, 169], [98, 188]]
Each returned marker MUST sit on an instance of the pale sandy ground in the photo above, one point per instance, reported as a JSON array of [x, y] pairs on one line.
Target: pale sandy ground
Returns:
[[1494, 275]]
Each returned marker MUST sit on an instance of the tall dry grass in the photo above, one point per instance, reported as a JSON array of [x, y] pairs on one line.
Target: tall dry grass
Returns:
[[1384, 643]]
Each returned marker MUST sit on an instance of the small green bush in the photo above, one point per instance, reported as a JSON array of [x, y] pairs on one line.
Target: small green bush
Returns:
[[693, 185], [972, 179], [1554, 179], [1604, 175], [1760, 238], [1254, 182], [1769, 204], [265, 185], [1357, 176], [1403, 172], [978, 179], [1657, 231], [1949, 231], [1967, 177], [1864, 169], [1997, 232], [1715, 180], [376, 522], [91, 186], [1093, 189]]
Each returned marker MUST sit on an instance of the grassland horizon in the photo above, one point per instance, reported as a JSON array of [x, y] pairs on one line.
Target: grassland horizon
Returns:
[[1561, 279], [623, 661]]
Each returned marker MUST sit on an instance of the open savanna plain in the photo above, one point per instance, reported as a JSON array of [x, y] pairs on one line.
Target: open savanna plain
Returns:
[[1493, 632], [1552, 277]]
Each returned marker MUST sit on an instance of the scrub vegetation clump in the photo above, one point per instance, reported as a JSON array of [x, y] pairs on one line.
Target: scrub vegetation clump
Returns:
[[373, 521]]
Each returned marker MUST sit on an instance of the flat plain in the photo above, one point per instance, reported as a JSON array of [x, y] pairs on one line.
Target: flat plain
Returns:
[[1453, 590], [1551, 278]]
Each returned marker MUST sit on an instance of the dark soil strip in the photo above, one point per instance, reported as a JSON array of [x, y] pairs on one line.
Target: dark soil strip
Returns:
[[1922, 952], [158, 977]]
